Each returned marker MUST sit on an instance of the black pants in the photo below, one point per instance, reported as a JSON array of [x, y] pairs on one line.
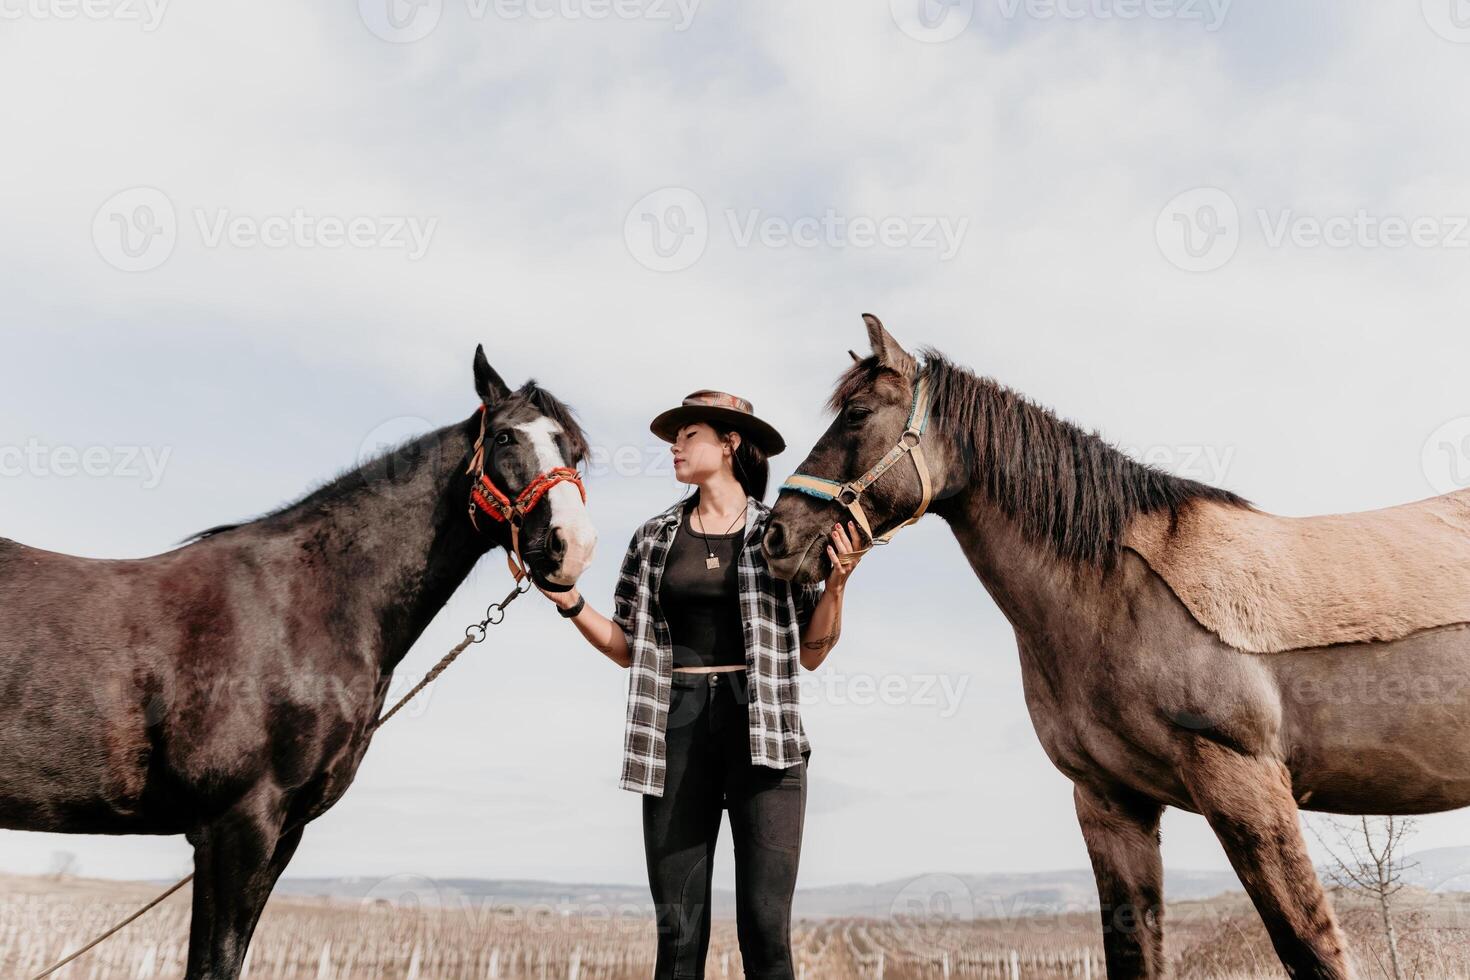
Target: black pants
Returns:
[[708, 768]]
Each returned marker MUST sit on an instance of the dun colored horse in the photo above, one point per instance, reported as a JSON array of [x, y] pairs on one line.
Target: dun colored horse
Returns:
[[1178, 647], [227, 690]]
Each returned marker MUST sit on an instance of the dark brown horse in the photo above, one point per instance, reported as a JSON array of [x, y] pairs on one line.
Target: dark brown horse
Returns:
[[227, 690], [1342, 687]]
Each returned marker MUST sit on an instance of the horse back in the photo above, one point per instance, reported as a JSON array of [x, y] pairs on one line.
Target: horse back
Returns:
[[167, 686], [1268, 584]]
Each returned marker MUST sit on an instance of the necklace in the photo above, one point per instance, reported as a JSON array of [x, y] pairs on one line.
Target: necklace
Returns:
[[712, 561]]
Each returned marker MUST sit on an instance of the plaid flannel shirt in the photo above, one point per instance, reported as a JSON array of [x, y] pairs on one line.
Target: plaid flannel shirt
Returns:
[[772, 612]]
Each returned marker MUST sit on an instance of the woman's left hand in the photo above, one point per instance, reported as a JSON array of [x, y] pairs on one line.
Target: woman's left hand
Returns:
[[843, 554]]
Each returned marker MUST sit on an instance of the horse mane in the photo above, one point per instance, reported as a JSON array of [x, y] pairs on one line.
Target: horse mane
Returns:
[[350, 478], [1065, 487]]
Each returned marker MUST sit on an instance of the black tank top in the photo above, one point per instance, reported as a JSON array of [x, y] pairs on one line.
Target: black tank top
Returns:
[[701, 604]]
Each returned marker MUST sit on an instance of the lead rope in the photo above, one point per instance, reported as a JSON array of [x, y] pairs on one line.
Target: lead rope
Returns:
[[475, 633]]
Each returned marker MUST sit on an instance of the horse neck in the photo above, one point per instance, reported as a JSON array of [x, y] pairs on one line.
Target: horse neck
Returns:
[[1038, 591], [393, 545]]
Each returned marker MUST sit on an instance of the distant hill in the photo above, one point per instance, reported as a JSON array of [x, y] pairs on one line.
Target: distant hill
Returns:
[[985, 896], [1439, 869], [989, 895], [965, 896]]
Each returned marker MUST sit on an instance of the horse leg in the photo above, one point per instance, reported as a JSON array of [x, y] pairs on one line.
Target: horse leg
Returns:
[[1248, 803], [1122, 835], [237, 859]]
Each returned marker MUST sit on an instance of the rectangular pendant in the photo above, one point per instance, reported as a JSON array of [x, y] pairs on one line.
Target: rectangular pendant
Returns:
[[712, 562]]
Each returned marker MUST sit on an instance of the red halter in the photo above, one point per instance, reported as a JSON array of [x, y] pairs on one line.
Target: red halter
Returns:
[[485, 497]]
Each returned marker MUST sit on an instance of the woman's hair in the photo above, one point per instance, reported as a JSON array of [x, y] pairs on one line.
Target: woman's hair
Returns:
[[748, 461]]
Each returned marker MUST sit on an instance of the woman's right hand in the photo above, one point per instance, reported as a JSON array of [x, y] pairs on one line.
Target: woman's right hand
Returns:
[[565, 600], [600, 631]]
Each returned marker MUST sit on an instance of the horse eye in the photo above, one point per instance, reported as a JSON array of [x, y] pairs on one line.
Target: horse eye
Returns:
[[502, 439], [857, 413]]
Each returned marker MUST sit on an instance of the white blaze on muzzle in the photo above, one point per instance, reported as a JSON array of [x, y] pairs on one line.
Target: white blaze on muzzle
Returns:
[[569, 516]]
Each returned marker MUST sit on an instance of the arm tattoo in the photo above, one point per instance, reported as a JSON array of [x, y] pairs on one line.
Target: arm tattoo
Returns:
[[821, 642], [824, 642]]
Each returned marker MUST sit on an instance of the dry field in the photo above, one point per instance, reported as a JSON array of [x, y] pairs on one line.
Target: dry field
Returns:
[[306, 938]]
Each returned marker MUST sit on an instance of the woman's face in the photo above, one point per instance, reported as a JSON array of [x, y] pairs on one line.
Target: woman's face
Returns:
[[700, 453]]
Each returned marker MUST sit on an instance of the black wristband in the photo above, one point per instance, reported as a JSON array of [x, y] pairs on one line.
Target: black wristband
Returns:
[[571, 611]]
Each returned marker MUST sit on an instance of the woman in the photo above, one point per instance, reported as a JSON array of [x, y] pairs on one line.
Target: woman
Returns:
[[713, 718]]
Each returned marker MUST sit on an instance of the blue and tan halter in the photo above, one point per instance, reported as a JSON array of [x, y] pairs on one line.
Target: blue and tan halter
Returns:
[[848, 493]]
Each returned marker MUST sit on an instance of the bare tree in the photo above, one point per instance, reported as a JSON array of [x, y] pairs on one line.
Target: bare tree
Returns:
[[1368, 856], [63, 864]]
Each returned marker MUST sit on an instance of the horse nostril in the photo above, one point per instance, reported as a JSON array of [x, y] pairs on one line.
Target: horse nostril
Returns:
[[775, 541], [556, 545]]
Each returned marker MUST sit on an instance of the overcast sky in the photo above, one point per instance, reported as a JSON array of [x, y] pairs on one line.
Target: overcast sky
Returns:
[[245, 244]]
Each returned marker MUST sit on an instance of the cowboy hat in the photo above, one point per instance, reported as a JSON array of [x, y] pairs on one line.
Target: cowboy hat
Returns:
[[706, 405]]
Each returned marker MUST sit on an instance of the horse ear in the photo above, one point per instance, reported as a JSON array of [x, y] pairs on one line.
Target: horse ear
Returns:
[[887, 350], [853, 354], [487, 383]]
